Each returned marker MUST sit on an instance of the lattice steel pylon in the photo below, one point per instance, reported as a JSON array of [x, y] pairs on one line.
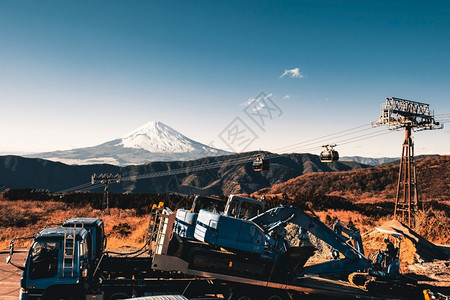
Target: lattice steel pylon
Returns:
[[412, 116], [105, 179]]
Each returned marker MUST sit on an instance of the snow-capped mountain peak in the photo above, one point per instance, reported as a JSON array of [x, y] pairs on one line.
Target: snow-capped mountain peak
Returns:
[[158, 137], [153, 141]]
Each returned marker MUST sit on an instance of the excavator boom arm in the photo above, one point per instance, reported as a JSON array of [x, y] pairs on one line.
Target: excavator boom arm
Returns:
[[312, 224]]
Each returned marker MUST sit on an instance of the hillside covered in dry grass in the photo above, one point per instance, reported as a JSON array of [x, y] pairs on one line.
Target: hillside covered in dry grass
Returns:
[[373, 184], [25, 218]]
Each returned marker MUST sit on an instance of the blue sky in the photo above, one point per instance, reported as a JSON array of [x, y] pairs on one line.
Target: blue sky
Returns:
[[80, 73]]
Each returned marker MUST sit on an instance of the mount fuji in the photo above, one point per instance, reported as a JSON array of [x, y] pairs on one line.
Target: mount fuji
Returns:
[[153, 141]]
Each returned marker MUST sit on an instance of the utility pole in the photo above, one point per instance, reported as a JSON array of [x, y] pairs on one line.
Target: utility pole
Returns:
[[397, 114], [105, 179]]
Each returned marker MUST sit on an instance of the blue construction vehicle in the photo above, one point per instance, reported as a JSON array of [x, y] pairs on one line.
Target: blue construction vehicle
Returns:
[[263, 238], [58, 264], [61, 260]]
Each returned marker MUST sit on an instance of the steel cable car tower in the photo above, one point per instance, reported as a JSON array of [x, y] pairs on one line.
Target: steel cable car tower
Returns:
[[412, 116]]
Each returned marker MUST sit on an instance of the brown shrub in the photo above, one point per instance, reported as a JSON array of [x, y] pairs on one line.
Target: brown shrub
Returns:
[[433, 225]]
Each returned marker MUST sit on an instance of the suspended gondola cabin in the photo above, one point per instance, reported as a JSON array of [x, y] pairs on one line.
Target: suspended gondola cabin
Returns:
[[329, 154], [260, 163]]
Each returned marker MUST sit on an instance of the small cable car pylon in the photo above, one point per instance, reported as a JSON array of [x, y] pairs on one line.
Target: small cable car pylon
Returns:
[[105, 179], [329, 154]]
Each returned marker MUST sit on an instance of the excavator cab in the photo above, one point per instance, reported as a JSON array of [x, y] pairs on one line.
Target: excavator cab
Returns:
[[212, 204], [243, 207]]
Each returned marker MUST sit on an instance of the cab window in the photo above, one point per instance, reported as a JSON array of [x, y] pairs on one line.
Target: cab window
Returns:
[[249, 210], [44, 260], [233, 208]]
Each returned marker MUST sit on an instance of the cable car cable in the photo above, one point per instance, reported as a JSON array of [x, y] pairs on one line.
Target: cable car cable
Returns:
[[359, 137], [219, 164], [75, 187], [321, 137], [339, 136]]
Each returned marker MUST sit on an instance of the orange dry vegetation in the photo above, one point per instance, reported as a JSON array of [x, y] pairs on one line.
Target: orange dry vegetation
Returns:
[[361, 222], [373, 184], [23, 218]]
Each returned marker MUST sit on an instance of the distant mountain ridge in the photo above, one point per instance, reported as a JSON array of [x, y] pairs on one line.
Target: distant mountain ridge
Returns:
[[382, 160], [153, 141], [369, 160], [215, 175]]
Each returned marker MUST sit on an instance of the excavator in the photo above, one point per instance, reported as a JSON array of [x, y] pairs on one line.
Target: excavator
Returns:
[[258, 246]]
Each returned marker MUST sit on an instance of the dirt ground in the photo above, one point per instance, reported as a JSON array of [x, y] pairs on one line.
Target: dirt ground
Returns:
[[427, 262], [10, 276]]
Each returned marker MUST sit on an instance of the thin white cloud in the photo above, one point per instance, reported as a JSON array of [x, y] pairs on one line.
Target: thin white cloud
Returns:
[[287, 97], [260, 97], [294, 73]]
